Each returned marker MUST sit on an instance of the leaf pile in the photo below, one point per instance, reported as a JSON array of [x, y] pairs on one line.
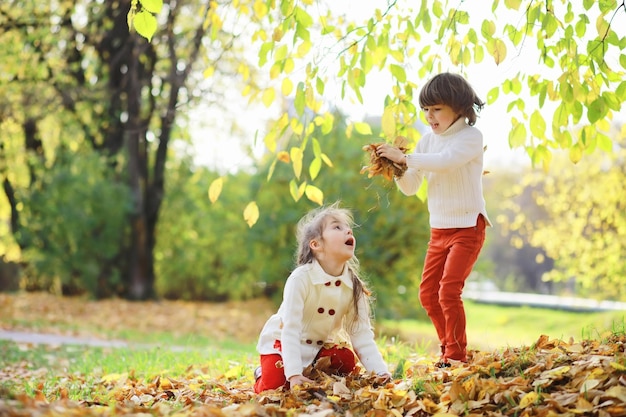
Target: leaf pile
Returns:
[[379, 165], [552, 378]]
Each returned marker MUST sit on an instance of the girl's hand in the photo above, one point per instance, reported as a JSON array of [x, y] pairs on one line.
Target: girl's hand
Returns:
[[298, 380], [383, 377], [392, 153]]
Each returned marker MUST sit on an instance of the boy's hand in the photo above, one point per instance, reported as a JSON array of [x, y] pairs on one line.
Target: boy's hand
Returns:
[[392, 153]]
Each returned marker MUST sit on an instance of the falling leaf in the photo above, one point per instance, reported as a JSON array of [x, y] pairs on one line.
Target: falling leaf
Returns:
[[251, 213], [215, 189], [314, 194], [145, 24]]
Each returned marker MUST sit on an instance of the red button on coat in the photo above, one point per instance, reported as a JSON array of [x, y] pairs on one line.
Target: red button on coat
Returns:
[[327, 284], [309, 341], [337, 283], [320, 310], [320, 342], [331, 312]]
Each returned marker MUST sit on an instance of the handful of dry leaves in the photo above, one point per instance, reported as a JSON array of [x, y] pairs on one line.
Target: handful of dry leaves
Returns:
[[379, 165]]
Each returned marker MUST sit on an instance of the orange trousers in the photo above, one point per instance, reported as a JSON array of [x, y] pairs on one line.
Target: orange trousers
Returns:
[[342, 362], [450, 258]]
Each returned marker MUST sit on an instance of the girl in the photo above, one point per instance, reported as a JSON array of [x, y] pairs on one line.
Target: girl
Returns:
[[450, 158], [323, 299]]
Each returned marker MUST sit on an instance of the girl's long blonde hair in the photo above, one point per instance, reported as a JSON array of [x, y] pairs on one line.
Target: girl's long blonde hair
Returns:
[[310, 227]]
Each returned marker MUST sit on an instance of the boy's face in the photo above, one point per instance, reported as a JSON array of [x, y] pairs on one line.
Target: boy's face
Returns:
[[440, 117]]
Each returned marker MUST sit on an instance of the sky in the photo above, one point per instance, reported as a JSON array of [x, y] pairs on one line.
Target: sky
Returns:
[[223, 152]]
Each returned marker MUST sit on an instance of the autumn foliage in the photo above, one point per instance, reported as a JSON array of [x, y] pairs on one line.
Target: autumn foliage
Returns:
[[551, 378], [379, 165]]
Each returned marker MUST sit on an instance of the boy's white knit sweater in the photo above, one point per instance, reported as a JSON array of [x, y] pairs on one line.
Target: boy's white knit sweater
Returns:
[[452, 163]]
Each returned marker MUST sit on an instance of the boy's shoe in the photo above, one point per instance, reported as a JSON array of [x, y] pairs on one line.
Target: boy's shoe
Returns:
[[447, 363], [257, 373]]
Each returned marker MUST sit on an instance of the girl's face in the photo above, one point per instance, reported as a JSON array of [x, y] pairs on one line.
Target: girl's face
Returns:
[[337, 241], [440, 117]]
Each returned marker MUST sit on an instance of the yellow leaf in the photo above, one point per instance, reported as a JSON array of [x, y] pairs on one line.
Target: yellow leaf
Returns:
[[529, 398], [287, 87], [114, 377], [251, 213], [314, 194], [497, 49], [288, 66], [303, 48], [296, 158], [260, 9], [363, 128], [295, 190], [576, 153], [215, 189], [618, 392], [166, 383], [153, 6], [618, 366], [389, 122], [557, 372], [589, 385], [349, 130], [268, 96], [314, 168]]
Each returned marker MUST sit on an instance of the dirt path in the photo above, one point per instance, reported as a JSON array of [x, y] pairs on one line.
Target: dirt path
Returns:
[[56, 339], [45, 318]]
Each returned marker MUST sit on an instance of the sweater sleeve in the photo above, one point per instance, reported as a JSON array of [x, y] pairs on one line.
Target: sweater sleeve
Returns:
[[411, 181], [364, 344], [293, 300]]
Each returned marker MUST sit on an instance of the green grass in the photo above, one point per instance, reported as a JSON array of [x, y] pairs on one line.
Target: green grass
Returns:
[[26, 368], [492, 327]]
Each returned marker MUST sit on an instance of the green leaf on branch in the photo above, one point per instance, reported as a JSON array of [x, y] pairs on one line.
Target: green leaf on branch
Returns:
[[497, 49], [145, 24], [388, 123], [537, 125], [363, 128], [296, 155], [153, 6], [296, 191], [517, 135], [314, 194], [314, 168], [596, 111]]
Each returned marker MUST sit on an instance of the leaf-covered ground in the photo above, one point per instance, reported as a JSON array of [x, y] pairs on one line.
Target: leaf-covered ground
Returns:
[[551, 378]]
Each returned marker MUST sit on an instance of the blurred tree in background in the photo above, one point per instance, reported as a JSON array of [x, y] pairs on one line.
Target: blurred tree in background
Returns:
[[582, 227], [74, 79], [98, 201], [206, 251]]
